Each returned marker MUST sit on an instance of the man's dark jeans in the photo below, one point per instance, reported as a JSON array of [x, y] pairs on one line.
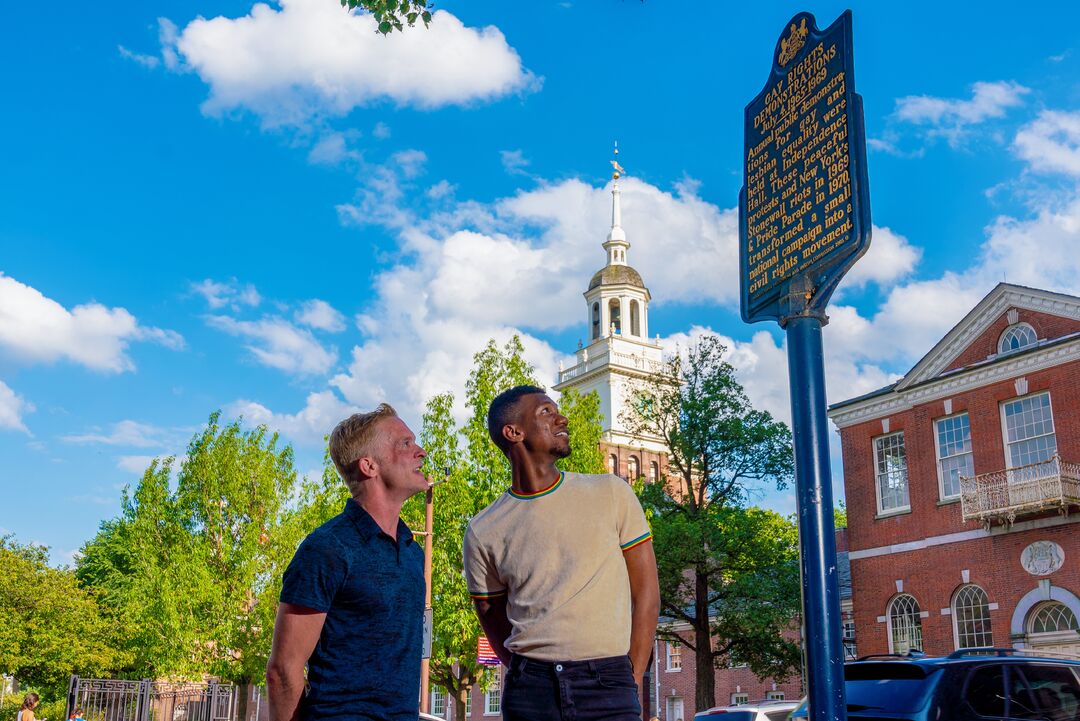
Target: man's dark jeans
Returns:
[[601, 689]]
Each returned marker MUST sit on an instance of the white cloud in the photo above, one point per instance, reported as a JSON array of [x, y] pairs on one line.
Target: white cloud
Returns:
[[320, 315], [381, 130], [125, 433], [514, 161], [312, 59], [12, 409], [988, 100], [1051, 142], [277, 343], [137, 465], [321, 412], [147, 61], [38, 329], [333, 148], [890, 258], [219, 294]]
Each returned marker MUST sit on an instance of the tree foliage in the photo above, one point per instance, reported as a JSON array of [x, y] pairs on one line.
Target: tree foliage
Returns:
[[394, 14], [193, 574], [50, 627], [728, 571]]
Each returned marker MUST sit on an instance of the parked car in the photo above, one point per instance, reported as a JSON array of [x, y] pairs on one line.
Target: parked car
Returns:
[[757, 711], [970, 685]]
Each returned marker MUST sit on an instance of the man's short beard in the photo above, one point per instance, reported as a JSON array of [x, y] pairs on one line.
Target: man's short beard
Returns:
[[561, 453]]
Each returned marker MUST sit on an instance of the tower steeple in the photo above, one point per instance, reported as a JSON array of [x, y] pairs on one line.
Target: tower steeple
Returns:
[[619, 351], [616, 244]]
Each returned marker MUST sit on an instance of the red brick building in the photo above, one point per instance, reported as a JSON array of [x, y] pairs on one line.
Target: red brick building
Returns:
[[962, 481]]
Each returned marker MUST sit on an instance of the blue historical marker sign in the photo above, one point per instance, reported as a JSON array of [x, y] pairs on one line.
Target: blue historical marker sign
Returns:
[[804, 209]]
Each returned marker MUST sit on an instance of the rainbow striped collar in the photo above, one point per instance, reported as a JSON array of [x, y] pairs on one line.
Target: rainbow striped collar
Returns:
[[538, 494]]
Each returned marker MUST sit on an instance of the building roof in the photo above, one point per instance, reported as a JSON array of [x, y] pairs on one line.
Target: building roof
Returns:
[[616, 275]]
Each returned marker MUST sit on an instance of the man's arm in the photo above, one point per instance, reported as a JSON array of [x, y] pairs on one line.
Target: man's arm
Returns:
[[492, 614], [296, 631], [645, 598]]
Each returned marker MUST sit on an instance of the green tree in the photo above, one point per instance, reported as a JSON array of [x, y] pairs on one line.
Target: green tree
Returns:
[[707, 552], [840, 515], [50, 627], [194, 574], [585, 425], [394, 14]]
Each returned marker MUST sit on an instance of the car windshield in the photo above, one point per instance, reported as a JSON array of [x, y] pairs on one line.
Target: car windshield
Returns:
[[897, 687]]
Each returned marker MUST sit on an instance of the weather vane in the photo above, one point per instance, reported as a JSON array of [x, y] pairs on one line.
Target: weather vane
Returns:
[[619, 171]]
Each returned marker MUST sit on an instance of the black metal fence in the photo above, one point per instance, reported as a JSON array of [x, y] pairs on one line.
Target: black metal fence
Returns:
[[118, 700]]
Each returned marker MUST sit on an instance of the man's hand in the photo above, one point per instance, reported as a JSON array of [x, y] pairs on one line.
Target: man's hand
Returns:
[[296, 631]]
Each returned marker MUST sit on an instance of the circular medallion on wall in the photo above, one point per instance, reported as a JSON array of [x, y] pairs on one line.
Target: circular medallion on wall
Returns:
[[1042, 558]]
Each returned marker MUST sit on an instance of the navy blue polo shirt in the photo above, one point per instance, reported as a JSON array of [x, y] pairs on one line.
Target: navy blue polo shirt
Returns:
[[366, 664]]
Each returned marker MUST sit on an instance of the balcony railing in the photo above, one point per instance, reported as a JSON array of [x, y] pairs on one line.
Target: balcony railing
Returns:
[[1002, 496]]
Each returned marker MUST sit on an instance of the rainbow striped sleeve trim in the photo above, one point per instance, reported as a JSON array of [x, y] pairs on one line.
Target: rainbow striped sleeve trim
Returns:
[[647, 536], [484, 595], [543, 492]]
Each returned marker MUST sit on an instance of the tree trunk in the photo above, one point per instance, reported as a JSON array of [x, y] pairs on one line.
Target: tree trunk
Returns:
[[705, 696], [459, 702]]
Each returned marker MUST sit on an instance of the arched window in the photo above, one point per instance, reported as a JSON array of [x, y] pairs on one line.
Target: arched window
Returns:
[[595, 320], [613, 464], [633, 468], [905, 624], [635, 319], [1017, 336], [971, 618], [614, 312], [1052, 617], [654, 472]]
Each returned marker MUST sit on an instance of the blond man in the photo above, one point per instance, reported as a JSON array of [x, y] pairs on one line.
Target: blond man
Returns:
[[352, 599]]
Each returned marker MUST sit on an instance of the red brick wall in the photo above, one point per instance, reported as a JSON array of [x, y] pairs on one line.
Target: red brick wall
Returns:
[[928, 517], [1046, 326], [933, 575]]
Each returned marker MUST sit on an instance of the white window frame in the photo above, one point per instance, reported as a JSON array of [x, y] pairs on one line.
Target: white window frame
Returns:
[[889, 621], [674, 660], [956, 617], [740, 699], [774, 696], [877, 480], [1010, 329], [494, 692], [468, 701], [937, 455], [1005, 427], [438, 694], [674, 708]]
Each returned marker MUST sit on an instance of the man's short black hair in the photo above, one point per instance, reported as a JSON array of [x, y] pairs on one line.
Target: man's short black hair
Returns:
[[502, 411]]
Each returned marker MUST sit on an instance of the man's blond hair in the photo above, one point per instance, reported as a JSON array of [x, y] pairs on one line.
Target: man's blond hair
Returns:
[[354, 438]]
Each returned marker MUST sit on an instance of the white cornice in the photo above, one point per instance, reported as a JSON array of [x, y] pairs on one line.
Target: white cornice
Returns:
[[900, 399], [981, 317]]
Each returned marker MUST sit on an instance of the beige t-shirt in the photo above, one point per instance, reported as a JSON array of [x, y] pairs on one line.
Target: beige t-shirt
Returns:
[[558, 556]]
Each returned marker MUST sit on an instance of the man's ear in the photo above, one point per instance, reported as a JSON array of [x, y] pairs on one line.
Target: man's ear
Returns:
[[368, 467], [512, 433]]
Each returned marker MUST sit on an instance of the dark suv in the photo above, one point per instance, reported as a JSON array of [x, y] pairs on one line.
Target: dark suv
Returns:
[[969, 685]]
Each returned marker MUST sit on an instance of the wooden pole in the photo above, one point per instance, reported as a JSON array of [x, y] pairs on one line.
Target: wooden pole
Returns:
[[425, 665]]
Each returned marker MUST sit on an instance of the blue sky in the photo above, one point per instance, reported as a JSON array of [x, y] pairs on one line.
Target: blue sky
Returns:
[[271, 211]]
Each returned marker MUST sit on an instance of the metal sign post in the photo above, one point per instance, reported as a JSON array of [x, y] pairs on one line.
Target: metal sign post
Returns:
[[804, 219]]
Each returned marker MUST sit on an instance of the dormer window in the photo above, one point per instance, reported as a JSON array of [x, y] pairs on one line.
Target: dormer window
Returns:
[[1017, 336]]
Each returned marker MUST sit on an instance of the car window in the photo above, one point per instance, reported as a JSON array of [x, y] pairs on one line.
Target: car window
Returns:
[[1054, 689], [1021, 703], [897, 687], [778, 715], [984, 690]]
